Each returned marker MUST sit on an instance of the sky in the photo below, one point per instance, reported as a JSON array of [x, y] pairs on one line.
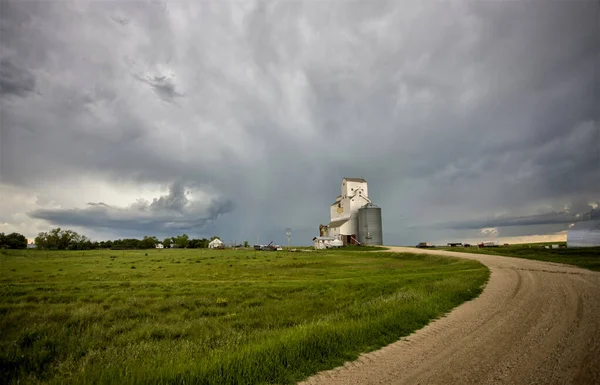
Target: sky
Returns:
[[470, 120]]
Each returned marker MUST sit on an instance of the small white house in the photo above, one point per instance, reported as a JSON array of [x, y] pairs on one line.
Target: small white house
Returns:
[[215, 243], [160, 246]]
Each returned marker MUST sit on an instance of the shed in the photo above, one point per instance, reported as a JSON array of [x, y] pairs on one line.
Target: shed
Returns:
[[322, 242]]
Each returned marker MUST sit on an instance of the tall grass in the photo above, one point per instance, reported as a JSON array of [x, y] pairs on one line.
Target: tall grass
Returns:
[[213, 317]]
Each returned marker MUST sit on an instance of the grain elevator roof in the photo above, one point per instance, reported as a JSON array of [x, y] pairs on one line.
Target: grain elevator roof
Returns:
[[337, 223]]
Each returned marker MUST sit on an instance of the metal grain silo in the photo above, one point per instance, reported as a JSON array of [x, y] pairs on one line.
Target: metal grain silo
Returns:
[[370, 231], [584, 234]]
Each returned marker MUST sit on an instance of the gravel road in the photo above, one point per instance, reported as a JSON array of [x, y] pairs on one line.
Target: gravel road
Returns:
[[534, 323]]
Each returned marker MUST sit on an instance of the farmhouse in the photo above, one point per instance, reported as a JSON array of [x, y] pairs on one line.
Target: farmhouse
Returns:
[[215, 243], [354, 219], [160, 246]]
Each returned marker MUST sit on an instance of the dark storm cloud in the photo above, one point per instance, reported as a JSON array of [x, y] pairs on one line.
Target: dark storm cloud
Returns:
[[163, 86], [121, 20], [172, 212], [452, 112], [15, 81], [541, 219]]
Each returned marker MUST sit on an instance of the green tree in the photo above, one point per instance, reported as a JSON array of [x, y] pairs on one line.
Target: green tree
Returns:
[[181, 241], [245, 243], [126, 244], [148, 242], [13, 241], [167, 242], [59, 239], [198, 243]]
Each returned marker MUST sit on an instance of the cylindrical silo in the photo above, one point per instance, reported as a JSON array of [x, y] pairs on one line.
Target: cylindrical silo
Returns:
[[370, 231]]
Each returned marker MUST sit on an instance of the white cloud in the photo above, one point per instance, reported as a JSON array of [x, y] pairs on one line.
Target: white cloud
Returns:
[[489, 232]]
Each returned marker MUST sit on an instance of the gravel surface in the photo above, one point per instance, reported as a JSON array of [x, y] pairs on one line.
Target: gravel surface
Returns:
[[535, 323]]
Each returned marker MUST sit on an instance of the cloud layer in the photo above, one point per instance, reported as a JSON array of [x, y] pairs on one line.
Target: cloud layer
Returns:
[[453, 112], [172, 213], [591, 212]]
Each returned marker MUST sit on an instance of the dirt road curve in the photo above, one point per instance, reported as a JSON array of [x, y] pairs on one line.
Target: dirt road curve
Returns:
[[535, 323]]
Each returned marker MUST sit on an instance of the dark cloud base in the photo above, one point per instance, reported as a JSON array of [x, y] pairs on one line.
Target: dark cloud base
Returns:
[[168, 214], [542, 219]]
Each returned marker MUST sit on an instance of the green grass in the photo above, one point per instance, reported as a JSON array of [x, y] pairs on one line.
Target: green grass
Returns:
[[586, 257], [212, 316]]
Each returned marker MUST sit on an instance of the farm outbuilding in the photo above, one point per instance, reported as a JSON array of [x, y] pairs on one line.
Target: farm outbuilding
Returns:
[[326, 242]]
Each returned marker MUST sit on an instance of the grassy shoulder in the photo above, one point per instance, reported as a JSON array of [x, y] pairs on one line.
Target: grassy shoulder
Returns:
[[586, 257], [213, 316]]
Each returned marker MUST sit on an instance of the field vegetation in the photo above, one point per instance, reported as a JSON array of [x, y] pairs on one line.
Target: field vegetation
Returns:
[[586, 257], [212, 316]]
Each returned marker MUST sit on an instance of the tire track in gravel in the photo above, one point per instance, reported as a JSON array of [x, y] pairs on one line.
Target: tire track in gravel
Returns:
[[535, 323]]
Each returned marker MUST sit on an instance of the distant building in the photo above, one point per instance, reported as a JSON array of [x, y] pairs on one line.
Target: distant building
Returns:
[[425, 244], [488, 244], [322, 242], [215, 244], [345, 213], [160, 246], [31, 246], [326, 242]]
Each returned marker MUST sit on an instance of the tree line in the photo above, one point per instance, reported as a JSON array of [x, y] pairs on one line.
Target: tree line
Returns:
[[63, 239], [150, 242], [12, 241]]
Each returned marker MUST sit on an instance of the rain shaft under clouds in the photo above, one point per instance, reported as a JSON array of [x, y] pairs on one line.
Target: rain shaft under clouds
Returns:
[[452, 112]]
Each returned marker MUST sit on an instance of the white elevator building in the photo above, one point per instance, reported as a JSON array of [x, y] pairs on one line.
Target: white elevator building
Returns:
[[343, 213]]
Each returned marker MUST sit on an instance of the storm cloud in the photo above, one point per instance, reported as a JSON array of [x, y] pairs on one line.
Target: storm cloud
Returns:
[[168, 213], [562, 217], [455, 113], [163, 86], [15, 81]]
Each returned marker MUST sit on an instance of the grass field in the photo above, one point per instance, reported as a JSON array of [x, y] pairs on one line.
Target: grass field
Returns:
[[212, 316], [586, 257]]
